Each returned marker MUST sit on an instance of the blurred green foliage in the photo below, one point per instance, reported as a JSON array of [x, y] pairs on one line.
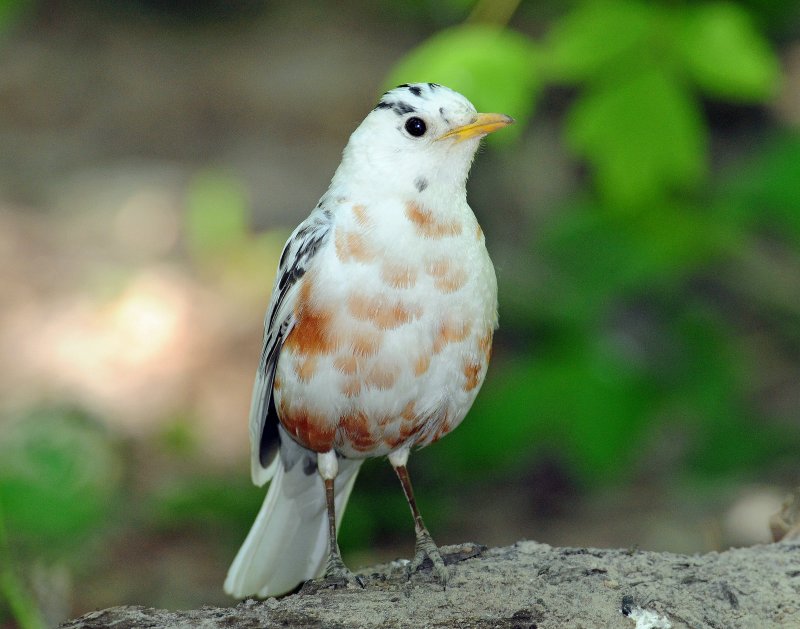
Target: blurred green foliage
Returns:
[[219, 238], [624, 336], [59, 474], [58, 477], [12, 11], [217, 210]]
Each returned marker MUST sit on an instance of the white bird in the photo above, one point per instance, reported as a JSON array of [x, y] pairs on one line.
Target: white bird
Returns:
[[377, 336]]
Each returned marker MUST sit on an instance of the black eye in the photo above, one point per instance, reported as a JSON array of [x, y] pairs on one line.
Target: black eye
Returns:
[[416, 126]]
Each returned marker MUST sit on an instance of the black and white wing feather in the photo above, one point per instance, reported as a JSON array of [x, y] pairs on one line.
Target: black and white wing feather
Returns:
[[297, 256]]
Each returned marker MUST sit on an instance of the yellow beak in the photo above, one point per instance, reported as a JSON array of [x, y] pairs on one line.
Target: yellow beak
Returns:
[[481, 126]]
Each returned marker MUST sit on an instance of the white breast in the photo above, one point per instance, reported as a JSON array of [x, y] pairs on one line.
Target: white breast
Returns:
[[409, 298]]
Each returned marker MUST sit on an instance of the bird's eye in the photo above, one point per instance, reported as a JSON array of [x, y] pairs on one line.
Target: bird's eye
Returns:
[[416, 126]]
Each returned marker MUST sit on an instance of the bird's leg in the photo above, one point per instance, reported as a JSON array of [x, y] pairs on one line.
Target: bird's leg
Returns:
[[336, 573], [425, 546]]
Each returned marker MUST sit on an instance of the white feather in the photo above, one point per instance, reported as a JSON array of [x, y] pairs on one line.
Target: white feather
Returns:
[[288, 543]]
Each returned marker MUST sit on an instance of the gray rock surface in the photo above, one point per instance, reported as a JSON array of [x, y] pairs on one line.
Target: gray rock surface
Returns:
[[527, 585]]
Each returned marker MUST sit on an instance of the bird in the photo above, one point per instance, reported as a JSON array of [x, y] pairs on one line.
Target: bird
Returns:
[[377, 336]]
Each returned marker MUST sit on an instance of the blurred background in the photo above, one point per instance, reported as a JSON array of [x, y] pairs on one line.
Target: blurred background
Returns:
[[643, 216]]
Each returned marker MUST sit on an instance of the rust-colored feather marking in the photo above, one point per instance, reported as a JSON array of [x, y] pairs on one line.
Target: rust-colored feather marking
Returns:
[[444, 428], [305, 367], [478, 232], [426, 225], [352, 387], [366, 343], [450, 332], [311, 431], [421, 364], [346, 364], [353, 246], [472, 371], [407, 430], [356, 429], [451, 282], [408, 413], [447, 277], [398, 275], [436, 427], [383, 313], [381, 377], [311, 333], [485, 344], [361, 215], [438, 267]]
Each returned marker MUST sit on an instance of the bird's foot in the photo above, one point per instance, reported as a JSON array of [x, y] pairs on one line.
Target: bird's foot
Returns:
[[337, 576], [426, 548]]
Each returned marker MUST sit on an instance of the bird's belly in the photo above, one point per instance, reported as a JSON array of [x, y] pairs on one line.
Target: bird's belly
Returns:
[[373, 365]]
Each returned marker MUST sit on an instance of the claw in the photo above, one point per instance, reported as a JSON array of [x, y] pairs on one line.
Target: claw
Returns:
[[338, 575], [426, 549]]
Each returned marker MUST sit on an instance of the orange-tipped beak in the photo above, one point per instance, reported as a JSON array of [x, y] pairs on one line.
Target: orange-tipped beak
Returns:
[[483, 124]]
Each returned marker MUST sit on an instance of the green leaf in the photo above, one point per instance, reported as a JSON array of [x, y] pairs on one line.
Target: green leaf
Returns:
[[765, 193], [725, 55], [594, 36], [494, 67], [643, 136]]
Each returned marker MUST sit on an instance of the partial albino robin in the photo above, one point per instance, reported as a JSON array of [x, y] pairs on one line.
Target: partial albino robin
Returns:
[[377, 337]]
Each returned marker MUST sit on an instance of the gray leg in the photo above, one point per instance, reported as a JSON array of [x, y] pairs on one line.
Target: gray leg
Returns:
[[425, 546], [336, 573]]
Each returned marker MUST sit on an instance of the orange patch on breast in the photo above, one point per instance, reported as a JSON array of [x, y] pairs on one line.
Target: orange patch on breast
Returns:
[[451, 282], [444, 428], [305, 367], [478, 232], [366, 343], [312, 332], [309, 430], [355, 428], [421, 364], [381, 377], [353, 246], [435, 427], [351, 387], [407, 430], [361, 215], [438, 267], [385, 314], [485, 344], [472, 372], [426, 224], [447, 277], [398, 275], [450, 332], [348, 365], [409, 427]]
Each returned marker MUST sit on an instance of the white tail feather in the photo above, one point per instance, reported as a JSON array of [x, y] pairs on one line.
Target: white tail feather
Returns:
[[288, 542]]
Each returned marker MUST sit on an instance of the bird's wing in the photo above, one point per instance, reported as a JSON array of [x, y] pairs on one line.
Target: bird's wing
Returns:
[[297, 256]]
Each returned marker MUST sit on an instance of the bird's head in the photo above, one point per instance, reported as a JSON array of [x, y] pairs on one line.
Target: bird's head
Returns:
[[419, 137]]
